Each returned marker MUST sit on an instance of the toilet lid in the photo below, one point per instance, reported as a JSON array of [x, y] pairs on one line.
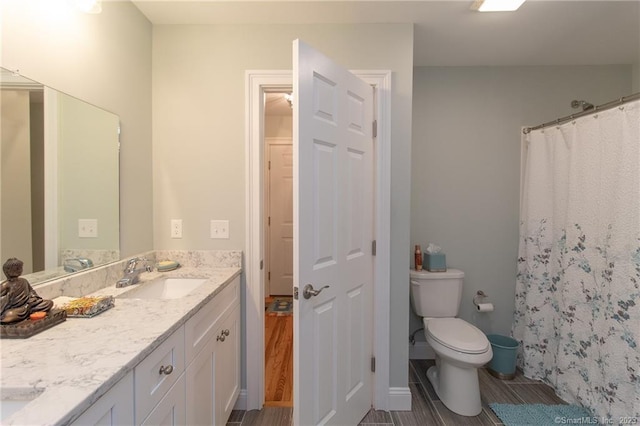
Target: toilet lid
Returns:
[[457, 334]]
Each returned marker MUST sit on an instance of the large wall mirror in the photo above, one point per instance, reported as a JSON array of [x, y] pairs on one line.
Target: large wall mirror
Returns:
[[59, 180]]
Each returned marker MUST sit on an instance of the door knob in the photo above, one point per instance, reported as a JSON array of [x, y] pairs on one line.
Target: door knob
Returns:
[[309, 291]]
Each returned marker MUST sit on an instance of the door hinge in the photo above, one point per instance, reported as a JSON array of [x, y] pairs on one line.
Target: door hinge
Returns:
[[295, 293], [269, 221], [373, 247], [373, 364], [269, 276], [374, 128], [269, 166], [261, 264]]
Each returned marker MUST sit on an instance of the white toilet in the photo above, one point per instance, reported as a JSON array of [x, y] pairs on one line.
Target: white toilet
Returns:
[[460, 347]]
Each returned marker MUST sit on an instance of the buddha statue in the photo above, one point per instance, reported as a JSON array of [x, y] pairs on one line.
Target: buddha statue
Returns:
[[17, 298]]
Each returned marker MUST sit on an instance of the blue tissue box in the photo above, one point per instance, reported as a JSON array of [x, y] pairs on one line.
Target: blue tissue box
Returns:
[[435, 262]]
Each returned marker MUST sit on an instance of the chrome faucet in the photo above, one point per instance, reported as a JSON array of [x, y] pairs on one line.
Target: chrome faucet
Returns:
[[131, 273], [77, 263]]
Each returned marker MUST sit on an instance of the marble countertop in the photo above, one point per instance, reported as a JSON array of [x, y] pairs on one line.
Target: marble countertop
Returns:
[[76, 362]]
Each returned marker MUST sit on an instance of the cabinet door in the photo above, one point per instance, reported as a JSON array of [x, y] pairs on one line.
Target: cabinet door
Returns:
[[170, 411], [113, 408], [200, 375], [157, 373], [227, 366], [202, 326]]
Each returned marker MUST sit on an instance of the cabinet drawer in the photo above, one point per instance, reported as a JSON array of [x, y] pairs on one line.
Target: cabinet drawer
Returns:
[[201, 327], [152, 380]]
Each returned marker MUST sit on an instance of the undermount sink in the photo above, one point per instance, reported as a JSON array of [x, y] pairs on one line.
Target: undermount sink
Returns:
[[14, 399], [164, 288]]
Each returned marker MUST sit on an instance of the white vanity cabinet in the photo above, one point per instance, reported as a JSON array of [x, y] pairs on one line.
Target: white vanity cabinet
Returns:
[[153, 393], [193, 377], [113, 408], [213, 359]]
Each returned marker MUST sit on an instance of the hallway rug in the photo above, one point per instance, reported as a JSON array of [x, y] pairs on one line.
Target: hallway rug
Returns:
[[280, 306], [541, 414]]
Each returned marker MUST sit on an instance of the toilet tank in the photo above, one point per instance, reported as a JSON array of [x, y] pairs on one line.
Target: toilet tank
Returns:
[[436, 294]]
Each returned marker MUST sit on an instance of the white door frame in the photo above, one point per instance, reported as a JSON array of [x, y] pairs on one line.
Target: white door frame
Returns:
[[256, 82], [51, 131]]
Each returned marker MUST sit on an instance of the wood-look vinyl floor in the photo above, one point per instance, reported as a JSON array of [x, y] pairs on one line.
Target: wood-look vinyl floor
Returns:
[[427, 409]]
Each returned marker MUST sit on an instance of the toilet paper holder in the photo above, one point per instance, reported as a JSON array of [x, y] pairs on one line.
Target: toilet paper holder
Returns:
[[479, 297], [481, 305]]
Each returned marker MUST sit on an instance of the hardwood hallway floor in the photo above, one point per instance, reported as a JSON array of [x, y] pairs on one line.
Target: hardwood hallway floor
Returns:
[[278, 340]]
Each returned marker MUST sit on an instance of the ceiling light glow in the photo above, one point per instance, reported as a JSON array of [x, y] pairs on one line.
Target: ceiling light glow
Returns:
[[89, 6], [496, 5]]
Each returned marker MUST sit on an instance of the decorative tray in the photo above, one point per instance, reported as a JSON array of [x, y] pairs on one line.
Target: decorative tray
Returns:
[[28, 327], [87, 307]]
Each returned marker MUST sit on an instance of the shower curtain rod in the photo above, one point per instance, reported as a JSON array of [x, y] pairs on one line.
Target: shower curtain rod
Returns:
[[602, 107]]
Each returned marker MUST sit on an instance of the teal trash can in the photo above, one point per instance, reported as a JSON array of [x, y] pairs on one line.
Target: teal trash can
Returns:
[[503, 363]]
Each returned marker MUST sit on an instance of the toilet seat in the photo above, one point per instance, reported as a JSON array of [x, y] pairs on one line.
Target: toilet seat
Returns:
[[457, 334]]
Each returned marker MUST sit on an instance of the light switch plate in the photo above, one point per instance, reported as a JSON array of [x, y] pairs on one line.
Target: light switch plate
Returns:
[[88, 228], [220, 229]]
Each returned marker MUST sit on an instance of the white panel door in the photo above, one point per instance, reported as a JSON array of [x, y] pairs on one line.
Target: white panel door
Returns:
[[280, 257], [333, 230]]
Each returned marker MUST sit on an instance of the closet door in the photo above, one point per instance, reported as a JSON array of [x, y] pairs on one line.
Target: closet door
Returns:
[[280, 219]]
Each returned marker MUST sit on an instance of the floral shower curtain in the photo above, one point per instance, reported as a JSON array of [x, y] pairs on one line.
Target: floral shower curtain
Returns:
[[578, 283]]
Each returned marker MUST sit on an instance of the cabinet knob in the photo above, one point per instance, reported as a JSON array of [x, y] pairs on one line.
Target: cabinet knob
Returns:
[[225, 332], [166, 369], [221, 337]]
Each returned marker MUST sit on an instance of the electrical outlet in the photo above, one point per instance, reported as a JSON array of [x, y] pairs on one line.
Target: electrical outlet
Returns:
[[176, 228], [88, 228], [220, 229]]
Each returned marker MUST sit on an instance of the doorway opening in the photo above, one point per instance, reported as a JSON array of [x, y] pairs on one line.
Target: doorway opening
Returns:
[[258, 83], [278, 225]]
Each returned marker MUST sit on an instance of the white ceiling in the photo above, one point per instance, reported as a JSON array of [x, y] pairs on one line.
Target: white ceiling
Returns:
[[448, 33], [276, 105]]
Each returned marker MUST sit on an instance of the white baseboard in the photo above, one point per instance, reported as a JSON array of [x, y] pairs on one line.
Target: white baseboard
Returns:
[[241, 402], [421, 350], [399, 399]]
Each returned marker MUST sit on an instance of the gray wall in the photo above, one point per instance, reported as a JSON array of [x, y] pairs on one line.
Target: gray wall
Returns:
[[199, 131], [104, 59], [88, 183], [466, 165], [15, 178]]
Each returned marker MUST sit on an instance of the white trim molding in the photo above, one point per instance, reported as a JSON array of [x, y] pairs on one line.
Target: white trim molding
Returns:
[[51, 124], [399, 399], [241, 402], [257, 82], [381, 80]]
